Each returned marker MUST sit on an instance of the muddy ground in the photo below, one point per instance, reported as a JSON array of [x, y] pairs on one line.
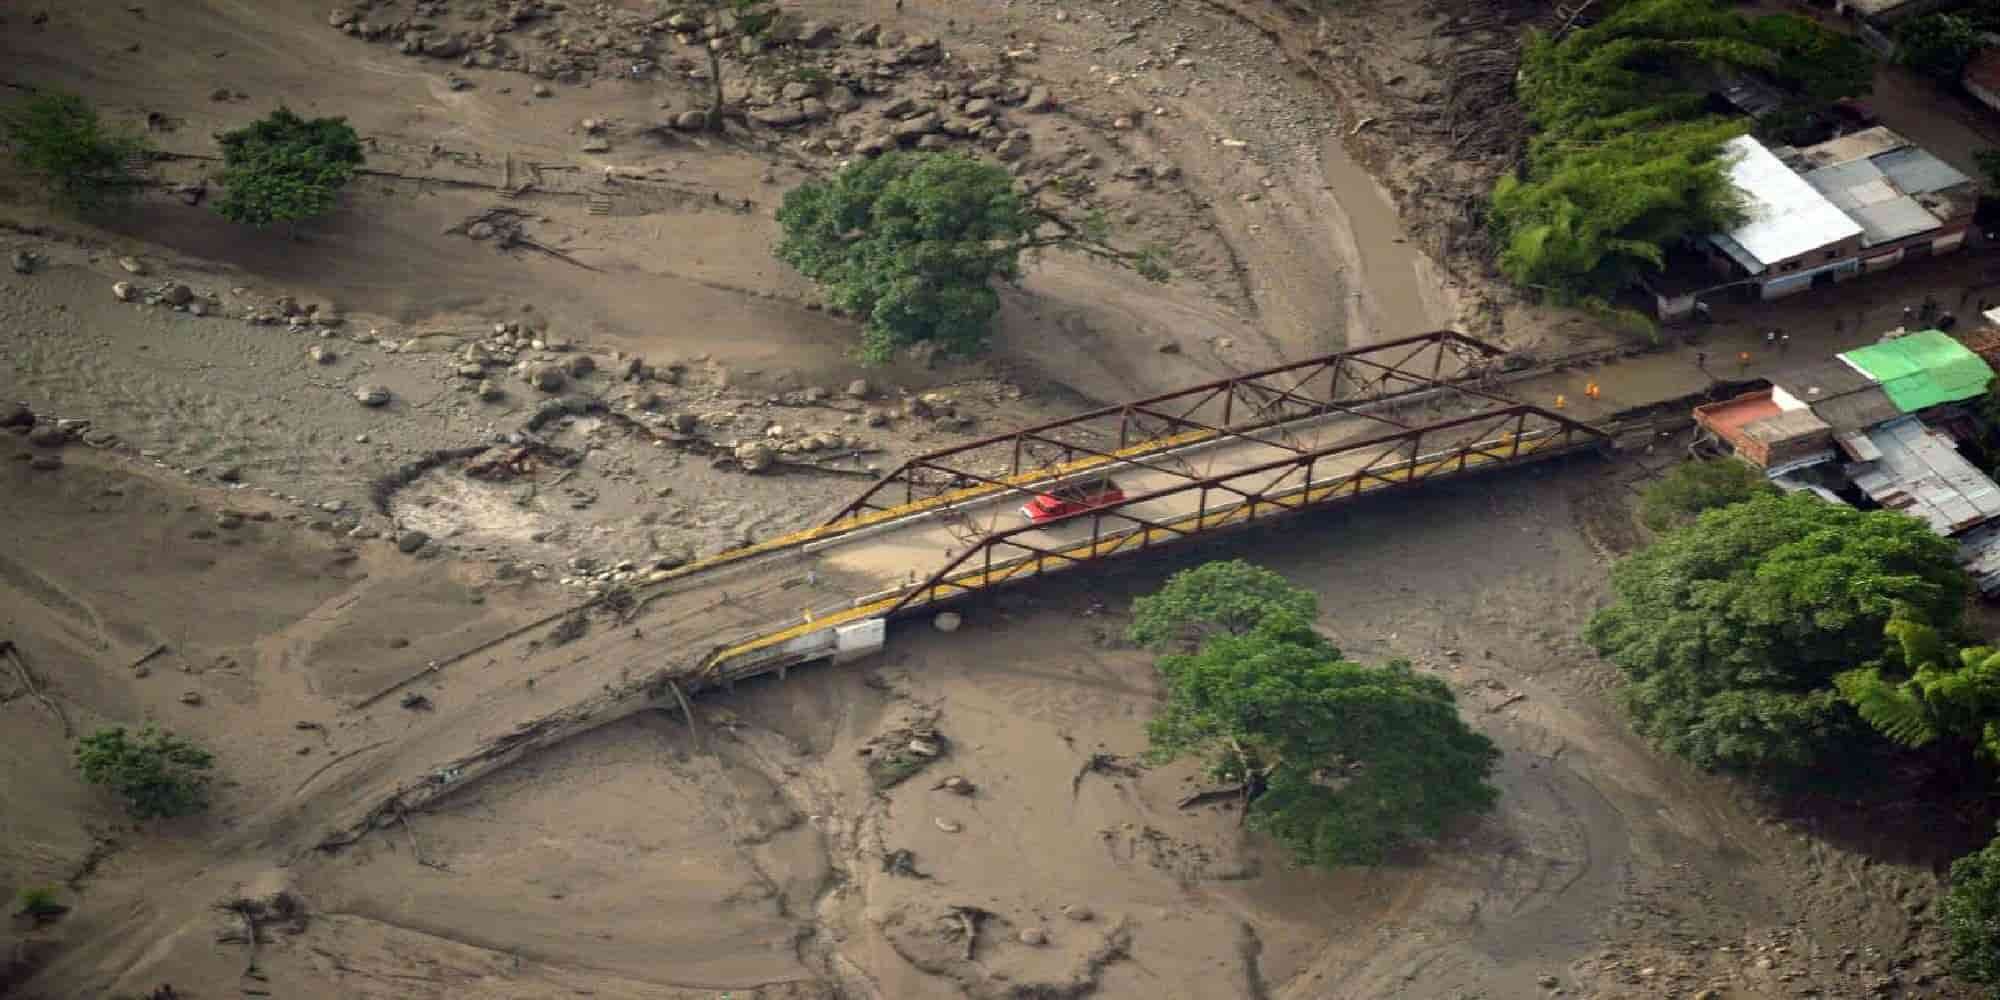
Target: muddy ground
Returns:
[[224, 495]]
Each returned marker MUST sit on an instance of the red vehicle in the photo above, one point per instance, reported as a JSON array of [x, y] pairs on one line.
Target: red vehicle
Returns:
[[1072, 498]]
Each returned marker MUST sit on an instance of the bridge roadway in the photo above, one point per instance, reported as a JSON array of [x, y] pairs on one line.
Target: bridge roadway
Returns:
[[827, 592]]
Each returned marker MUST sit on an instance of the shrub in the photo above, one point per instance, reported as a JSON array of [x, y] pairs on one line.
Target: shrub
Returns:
[[157, 773], [59, 140]]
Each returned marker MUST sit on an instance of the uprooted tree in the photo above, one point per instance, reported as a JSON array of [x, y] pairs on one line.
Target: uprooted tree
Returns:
[[58, 140], [283, 168], [1341, 762], [1732, 630], [913, 242]]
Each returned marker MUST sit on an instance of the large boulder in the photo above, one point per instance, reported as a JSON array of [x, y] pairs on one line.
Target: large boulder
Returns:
[[911, 129]]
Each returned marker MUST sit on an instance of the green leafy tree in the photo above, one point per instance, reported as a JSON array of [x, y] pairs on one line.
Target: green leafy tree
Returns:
[[1690, 488], [1972, 915], [284, 168], [1926, 690], [912, 242], [1730, 630], [1344, 762], [157, 773], [1227, 596], [58, 139], [1627, 161], [1938, 46], [1819, 65]]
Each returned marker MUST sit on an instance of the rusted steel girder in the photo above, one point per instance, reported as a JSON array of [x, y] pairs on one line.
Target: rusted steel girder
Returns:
[[1296, 481], [1355, 382]]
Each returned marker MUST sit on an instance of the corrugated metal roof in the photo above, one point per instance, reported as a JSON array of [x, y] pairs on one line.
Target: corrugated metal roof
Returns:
[[1888, 221], [1915, 170], [1734, 250], [1838, 393], [1874, 199], [1921, 474], [1787, 216], [1979, 553], [1853, 146], [1923, 369]]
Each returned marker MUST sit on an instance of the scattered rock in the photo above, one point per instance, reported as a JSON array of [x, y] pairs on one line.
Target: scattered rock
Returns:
[[410, 541], [372, 395], [923, 748], [547, 378], [1547, 982], [124, 292], [957, 785], [132, 265], [947, 621], [859, 389], [754, 456], [48, 436], [690, 121], [1079, 912], [946, 825], [177, 294], [542, 90], [16, 415], [489, 391], [190, 697], [1039, 100], [322, 354], [1034, 937], [23, 262], [580, 365], [45, 462]]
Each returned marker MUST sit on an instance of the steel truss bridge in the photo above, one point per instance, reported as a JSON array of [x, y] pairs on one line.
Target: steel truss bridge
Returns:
[[947, 525]]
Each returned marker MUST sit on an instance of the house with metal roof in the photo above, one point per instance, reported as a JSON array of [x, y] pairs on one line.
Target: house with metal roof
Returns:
[[1857, 423], [1826, 213]]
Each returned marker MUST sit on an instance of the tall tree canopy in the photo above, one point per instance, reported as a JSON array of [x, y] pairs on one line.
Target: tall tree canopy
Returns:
[[283, 168], [1627, 160], [1730, 631], [912, 242], [1343, 762], [1690, 488], [1227, 595]]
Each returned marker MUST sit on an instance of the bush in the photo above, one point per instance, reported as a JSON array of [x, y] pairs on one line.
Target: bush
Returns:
[[57, 139], [1972, 915], [38, 903], [157, 773], [1693, 487], [284, 168], [1938, 46]]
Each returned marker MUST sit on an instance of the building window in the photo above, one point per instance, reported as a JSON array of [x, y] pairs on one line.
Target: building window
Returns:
[[1832, 254], [1790, 266]]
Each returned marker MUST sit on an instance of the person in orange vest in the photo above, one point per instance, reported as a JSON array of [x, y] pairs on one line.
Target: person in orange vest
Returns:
[[1561, 401], [1744, 360], [1590, 390]]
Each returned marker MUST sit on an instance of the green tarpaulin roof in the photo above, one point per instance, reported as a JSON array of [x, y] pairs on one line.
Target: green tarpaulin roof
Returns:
[[1922, 370]]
